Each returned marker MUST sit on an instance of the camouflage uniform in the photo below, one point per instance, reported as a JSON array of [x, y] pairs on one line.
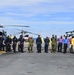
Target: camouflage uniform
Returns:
[[54, 44], [30, 46]]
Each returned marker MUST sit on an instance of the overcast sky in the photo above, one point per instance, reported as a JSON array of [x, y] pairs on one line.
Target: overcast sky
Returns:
[[45, 17]]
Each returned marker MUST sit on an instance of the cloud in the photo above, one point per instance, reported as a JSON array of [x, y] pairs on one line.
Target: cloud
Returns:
[[29, 11], [19, 2], [51, 23], [9, 21], [31, 8], [9, 14], [62, 19], [39, 5]]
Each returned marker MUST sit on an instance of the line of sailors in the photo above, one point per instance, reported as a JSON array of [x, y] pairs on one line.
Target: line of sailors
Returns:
[[8, 42], [61, 44]]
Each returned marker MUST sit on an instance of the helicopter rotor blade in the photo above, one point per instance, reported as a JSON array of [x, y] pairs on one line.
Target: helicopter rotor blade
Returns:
[[18, 25], [30, 33], [1, 26]]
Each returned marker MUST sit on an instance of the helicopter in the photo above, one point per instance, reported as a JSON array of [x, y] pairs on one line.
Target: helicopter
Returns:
[[70, 33], [3, 33], [24, 33]]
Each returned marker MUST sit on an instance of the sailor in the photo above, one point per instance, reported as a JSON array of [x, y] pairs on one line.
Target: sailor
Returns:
[[72, 44], [1, 42], [10, 36], [39, 42], [46, 40], [21, 43], [8, 42], [30, 46], [14, 40], [60, 43], [66, 43], [54, 43]]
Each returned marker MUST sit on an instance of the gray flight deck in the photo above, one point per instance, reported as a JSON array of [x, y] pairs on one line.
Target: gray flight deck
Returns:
[[37, 64]]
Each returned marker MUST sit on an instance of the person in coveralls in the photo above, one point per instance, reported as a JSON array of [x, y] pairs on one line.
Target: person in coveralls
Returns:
[[14, 40], [8, 42], [38, 42], [1, 42], [46, 40], [21, 44]]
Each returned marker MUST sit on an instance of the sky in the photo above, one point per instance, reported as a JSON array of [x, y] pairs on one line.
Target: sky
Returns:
[[45, 17]]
